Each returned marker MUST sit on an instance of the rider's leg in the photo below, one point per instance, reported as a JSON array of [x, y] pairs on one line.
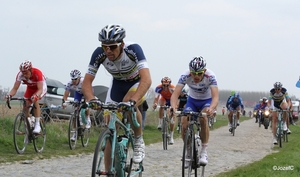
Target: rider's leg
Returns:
[[161, 102], [37, 114], [204, 139], [274, 126], [284, 106], [238, 115], [172, 126], [230, 118], [88, 119]]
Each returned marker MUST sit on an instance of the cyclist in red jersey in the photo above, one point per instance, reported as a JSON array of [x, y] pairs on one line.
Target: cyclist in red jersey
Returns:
[[163, 93], [36, 89]]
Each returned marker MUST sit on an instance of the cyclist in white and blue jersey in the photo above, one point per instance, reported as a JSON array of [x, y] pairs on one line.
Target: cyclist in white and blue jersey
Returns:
[[76, 84], [203, 97], [130, 75]]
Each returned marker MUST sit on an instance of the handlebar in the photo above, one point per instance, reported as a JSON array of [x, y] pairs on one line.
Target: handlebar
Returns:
[[15, 98]]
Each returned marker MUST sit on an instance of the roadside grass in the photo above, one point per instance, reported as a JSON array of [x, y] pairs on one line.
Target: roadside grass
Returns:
[[284, 162]]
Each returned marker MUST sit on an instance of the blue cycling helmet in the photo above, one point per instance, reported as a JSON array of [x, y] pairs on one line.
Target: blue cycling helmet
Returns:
[[112, 33], [75, 74], [236, 94], [197, 64]]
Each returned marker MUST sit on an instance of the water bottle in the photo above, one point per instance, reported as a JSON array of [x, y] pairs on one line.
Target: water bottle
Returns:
[[82, 116]]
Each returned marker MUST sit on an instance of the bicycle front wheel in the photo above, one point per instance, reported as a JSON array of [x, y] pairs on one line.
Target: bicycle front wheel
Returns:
[[85, 136], [165, 134], [102, 160], [73, 133], [188, 155], [233, 126], [20, 134], [39, 140]]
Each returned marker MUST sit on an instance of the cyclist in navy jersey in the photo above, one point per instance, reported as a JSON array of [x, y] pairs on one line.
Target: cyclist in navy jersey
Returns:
[[203, 97], [279, 99], [130, 76]]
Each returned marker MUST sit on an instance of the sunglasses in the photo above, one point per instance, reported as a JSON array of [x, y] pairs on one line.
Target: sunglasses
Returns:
[[166, 85], [74, 79], [278, 89], [197, 73], [110, 46]]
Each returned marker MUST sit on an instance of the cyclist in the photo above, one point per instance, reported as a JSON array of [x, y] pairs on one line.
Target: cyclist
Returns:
[[231, 94], [131, 77], [280, 99], [234, 103], [203, 96], [36, 89], [262, 104], [182, 99], [76, 84], [163, 94]]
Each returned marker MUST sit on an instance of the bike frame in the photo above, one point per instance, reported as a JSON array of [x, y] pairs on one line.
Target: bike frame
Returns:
[[165, 128], [28, 129], [194, 123], [116, 120], [280, 133]]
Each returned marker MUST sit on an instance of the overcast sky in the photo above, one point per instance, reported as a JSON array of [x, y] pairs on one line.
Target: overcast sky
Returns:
[[248, 44]]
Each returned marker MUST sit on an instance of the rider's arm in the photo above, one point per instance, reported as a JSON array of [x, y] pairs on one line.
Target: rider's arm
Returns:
[[15, 88], [87, 88], [215, 98], [66, 94], [175, 95], [144, 84]]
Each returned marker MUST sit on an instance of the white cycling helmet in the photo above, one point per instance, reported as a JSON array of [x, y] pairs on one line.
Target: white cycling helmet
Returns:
[[75, 74]]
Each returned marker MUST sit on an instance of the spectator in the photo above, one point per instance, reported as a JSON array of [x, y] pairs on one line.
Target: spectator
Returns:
[[223, 111]]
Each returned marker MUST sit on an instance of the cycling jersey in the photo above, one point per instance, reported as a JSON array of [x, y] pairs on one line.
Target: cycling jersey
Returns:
[[36, 77], [201, 90], [126, 68], [182, 101], [279, 97], [199, 93], [166, 94], [260, 106], [77, 88], [235, 102], [125, 71]]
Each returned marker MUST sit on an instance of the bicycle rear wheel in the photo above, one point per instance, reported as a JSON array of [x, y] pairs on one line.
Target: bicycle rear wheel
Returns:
[[85, 136], [164, 131], [188, 155], [73, 133], [39, 140], [103, 146], [20, 134]]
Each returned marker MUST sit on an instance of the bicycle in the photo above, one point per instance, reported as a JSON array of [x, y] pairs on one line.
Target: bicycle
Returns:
[[191, 144], [234, 123], [117, 142], [165, 131], [281, 134], [75, 129], [23, 129]]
